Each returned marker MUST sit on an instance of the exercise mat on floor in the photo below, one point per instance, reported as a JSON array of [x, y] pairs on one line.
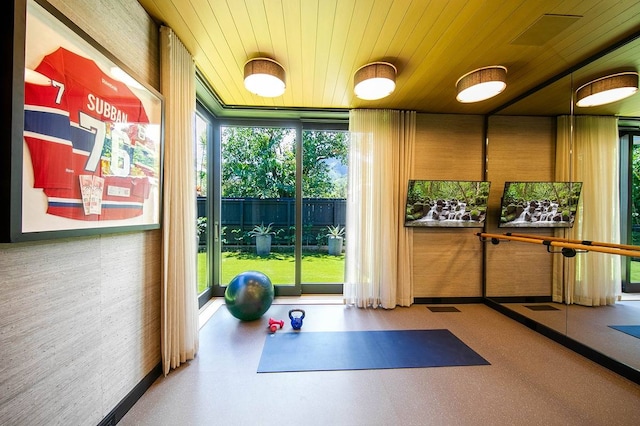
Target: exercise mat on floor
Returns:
[[631, 330], [364, 350]]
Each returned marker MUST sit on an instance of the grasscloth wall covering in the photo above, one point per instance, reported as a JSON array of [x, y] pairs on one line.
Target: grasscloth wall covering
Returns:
[[80, 318], [447, 262], [519, 149]]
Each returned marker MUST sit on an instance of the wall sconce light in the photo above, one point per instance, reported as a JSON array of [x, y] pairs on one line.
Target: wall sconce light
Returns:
[[607, 89], [481, 84], [264, 77], [374, 81]]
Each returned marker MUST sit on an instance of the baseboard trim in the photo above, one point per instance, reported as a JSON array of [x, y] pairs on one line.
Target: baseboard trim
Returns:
[[132, 397], [446, 300], [522, 299], [598, 357]]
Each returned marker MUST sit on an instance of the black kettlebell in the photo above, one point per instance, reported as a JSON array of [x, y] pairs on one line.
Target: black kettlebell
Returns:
[[296, 321]]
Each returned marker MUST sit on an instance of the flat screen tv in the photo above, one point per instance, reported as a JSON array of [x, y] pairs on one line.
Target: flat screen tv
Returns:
[[446, 203], [539, 204]]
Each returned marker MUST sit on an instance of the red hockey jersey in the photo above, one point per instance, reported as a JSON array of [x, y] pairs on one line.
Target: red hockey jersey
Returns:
[[78, 125]]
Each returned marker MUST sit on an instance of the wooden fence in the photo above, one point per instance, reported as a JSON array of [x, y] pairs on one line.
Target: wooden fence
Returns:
[[240, 215]]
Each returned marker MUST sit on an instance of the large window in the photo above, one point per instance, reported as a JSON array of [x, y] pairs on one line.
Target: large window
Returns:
[[272, 198]]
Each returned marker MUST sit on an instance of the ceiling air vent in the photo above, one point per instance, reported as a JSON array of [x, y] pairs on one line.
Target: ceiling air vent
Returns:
[[544, 29]]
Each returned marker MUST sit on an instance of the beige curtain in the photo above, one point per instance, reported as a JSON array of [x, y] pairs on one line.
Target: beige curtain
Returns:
[[179, 316], [587, 152], [378, 246]]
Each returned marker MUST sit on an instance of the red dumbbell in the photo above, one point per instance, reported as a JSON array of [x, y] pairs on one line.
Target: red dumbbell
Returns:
[[274, 323]]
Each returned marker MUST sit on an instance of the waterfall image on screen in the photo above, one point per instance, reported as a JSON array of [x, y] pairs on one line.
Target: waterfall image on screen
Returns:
[[443, 203], [539, 204]]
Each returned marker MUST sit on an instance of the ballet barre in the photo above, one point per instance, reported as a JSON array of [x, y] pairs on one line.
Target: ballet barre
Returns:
[[568, 248], [585, 242]]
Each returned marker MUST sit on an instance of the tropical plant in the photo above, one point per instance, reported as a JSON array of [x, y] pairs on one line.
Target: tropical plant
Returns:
[[335, 231], [262, 230], [263, 236]]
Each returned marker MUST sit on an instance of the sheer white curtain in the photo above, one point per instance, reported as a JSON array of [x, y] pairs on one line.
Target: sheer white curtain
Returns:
[[378, 246], [590, 157], [179, 316]]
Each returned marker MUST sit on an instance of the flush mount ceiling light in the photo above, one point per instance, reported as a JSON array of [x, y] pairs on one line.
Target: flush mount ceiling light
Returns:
[[264, 77], [481, 84], [607, 89], [374, 81]]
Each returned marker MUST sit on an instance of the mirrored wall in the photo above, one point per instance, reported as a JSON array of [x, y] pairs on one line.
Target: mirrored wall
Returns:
[[521, 146]]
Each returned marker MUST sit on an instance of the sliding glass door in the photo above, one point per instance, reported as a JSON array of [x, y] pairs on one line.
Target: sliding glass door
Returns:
[[324, 209], [275, 202], [257, 213]]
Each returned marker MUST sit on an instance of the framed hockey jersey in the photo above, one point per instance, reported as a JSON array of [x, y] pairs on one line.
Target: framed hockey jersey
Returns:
[[91, 140]]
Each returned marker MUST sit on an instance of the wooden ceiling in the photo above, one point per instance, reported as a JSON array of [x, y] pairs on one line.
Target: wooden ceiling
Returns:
[[321, 43]]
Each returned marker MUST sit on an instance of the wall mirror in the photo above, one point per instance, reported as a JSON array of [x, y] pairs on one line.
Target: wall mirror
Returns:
[[590, 326]]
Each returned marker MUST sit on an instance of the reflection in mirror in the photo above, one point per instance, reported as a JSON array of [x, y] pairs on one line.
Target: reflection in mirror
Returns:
[[591, 298]]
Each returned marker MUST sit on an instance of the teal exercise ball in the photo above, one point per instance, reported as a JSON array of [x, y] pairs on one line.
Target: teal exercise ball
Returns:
[[249, 295]]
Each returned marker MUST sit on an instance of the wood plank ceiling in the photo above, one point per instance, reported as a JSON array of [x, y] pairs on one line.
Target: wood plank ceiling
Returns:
[[321, 43]]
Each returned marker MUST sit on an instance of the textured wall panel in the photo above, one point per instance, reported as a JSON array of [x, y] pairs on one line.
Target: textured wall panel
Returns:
[[448, 262], [130, 316], [520, 149], [123, 28]]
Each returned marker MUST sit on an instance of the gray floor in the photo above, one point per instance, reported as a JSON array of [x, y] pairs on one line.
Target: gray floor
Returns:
[[531, 380]]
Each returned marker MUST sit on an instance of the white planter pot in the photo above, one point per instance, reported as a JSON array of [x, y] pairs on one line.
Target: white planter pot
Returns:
[[263, 245], [335, 246]]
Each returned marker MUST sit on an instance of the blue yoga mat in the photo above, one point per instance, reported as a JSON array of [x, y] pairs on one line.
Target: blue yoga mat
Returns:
[[632, 330], [364, 350]]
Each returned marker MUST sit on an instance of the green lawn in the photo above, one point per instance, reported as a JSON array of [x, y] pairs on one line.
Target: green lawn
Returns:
[[279, 267], [635, 272]]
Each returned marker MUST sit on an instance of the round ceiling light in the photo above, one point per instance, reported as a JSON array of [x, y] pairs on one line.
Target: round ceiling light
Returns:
[[374, 81], [481, 84], [607, 89], [264, 77]]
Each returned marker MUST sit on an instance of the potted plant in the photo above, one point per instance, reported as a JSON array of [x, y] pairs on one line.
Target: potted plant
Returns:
[[336, 238], [263, 238]]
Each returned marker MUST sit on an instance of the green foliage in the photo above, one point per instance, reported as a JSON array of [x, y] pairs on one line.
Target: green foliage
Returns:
[[335, 231], [470, 192], [261, 162], [261, 230], [564, 193], [422, 194], [240, 237], [201, 170], [201, 225], [258, 162], [318, 148]]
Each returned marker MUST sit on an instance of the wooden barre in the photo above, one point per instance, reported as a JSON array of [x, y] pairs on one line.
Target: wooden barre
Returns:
[[585, 242], [567, 245]]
